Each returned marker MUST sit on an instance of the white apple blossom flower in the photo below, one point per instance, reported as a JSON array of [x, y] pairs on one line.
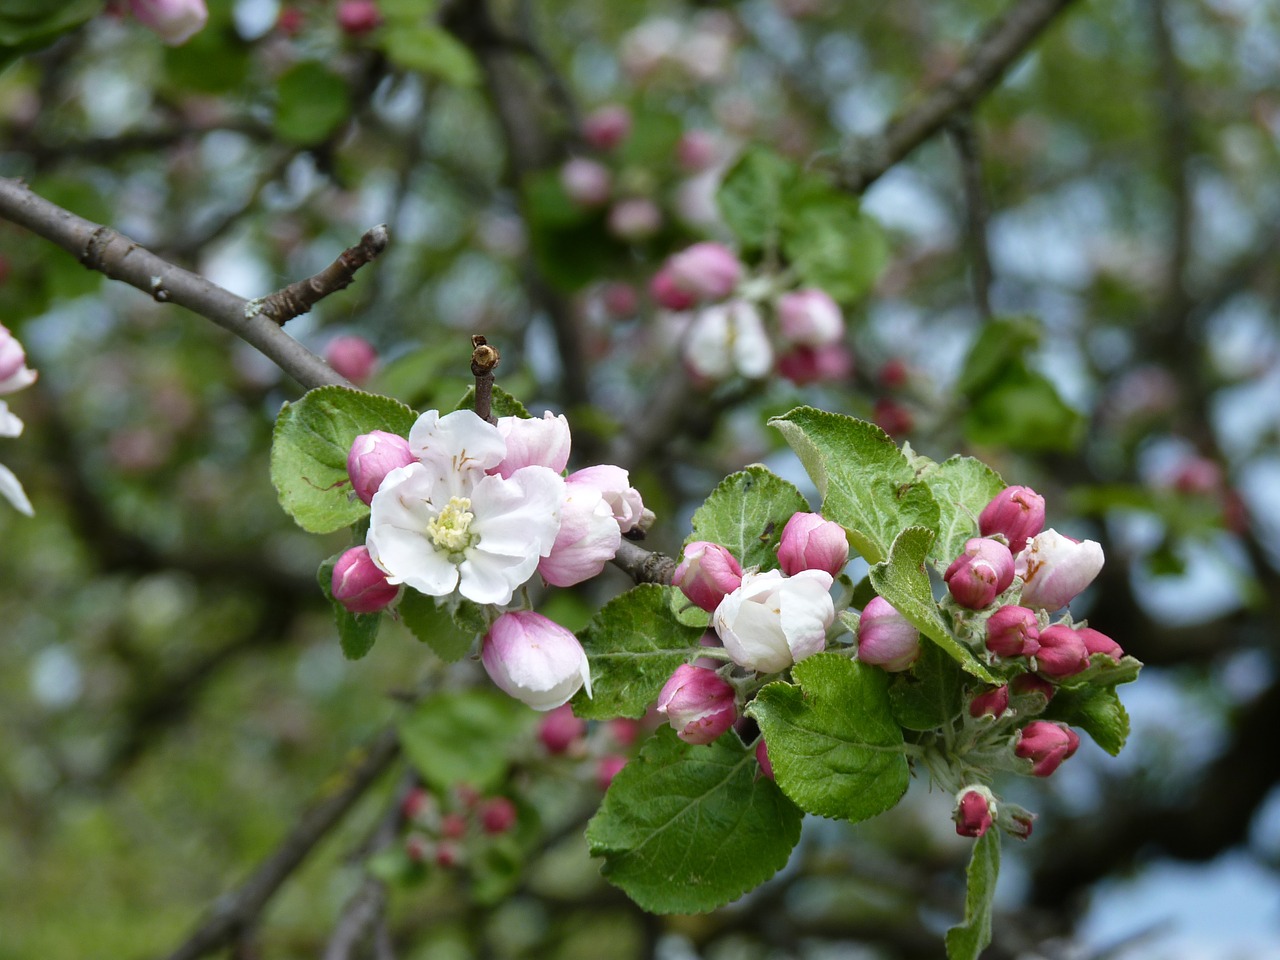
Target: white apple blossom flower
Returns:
[[771, 621]]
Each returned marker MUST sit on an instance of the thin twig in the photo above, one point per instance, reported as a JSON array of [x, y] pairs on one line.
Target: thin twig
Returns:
[[1003, 42], [644, 566], [965, 139], [299, 297], [483, 359]]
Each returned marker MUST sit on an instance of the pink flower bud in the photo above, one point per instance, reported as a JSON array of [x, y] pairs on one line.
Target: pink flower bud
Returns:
[[1020, 825], [359, 585], [1017, 512], [606, 127], [174, 21], [587, 183], [811, 543], [707, 573], [1197, 475], [696, 151], [624, 730], [417, 847], [453, 826], [372, 457], [533, 443], [497, 815], [635, 219], [893, 418], [1046, 745], [980, 574], [667, 294], [1055, 568], [608, 768], [762, 757], [893, 375], [448, 855], [975, 811], [588, 538], [534, 659], [1026, 684], [992, 703], [805, 365], [886, 638], [560, 729], [353, 358], [1013, 632], [614, 485], [358, 17], [620, 300], [1062, 652], [706, 271], [14, 373], [1095, 642], [698, 704], [809, 318]]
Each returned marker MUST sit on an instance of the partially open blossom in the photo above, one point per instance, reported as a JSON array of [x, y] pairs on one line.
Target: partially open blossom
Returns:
[[772, 621], [614, 485], [980, 574], [608, 768], [357, 17], [373, 455], [560, 729], [810, 542], [805, 365], [696, 150], [607, 126], [762, 757], [1055, 568], [353, 357], [975, 811], [1013, 631], [174, 21], [588, 537], [886, 638], [497, 815], [1046, 744], [1096, 642], [635, 219], [706, 271], [809, 318], [535, 660], [14, 372], [586, 182], [992, 703], [728, 338], [533, 442], [707, 572], [1062, 652], [698, 704], [1016, 512], [359, 585]]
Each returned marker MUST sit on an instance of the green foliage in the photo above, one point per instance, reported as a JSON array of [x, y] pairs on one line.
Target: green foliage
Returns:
[[961, 487], [311, 103], [448, 627], [752, 196], [968, 939], [833, 742], [866, 482], [1089, 701], [745, 514], [309, 450], [465, 736], [633, 646], [930, 694], [431, 50], [27, 25], [501, 403], [356, 631], [686, 829]]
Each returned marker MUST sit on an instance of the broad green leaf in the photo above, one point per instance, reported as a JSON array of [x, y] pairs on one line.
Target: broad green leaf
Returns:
[[309, 449], [31, 24], [356, 631], [449, 628], [311, 103], [834, 744], [831, 244], [1095, 710], [902, 581], [430, 49], [652, 141], [465, 736], [501, 404], [633, 646], [930, 694], [686, 829], [751, 197], [968, 939], [866, 482], [1000, 343], [961, 487], [746, 513]]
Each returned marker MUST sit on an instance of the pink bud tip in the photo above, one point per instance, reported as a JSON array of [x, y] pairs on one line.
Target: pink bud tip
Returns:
[[810, 542], [359, 584], [1062, 652], [707, 574], [560, 729], [980, 574], [705, 271], [1013, 631], [975, 812], [372, 456], [992, 703], [353, 358], [1016, 512], [698, 704], [607, 126], [358, 17], [810, 318], [586, 182], [762, 757], [886, 638], [497, 815], [174, 21], [827, 364], [1046, 744], [608, 768]]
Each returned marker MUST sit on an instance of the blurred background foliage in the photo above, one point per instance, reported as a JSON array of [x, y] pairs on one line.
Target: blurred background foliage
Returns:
[[1077, 281]]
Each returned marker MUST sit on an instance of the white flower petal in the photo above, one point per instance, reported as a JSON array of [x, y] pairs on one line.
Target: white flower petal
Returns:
[[10, 425], [459, 447], [12, 491]]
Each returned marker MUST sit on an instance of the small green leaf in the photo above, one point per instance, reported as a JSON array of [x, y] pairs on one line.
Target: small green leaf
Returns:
[[311, 103], [309, 449], [928, 695], [831, 244], [501, 404], [465, 736], [751, 197], [866, 482], [449, 628], [962, 487], [686, 829], [432, 50], [902, 581], [1000, 343], [1095, 710], [633, 646], [835, 747], [745, 514], [967, 940], [356, 631]]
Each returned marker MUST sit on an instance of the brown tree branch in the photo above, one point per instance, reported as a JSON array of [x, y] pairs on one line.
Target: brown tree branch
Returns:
[[965, 139], [299, 297], [484, 358], [1003, 42]]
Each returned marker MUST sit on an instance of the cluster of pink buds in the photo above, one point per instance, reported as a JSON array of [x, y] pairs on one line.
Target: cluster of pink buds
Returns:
[[606, 746], [442, 832]]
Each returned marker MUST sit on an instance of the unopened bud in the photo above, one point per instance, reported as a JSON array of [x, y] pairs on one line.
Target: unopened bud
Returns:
[[1013, 631], [706, 271], [1055, 568], [1016, 512], [635, 219], [805, 365], [980, 574], [810, 542], [707, 574], [453, 826], [608, 768], [586, 182], [1095, 642], [696, 150], [886, 638], [174, 21], [374, 455], [762, 757], [667, 294], [1046, 745], [809, 318], [352, 357], [1062, 652], [992, 703], [606, 127], [975, 811], [698, 704], [560, 729], [497, 815], [358, 17], [359, 584], [1027, 684], [534, 659]]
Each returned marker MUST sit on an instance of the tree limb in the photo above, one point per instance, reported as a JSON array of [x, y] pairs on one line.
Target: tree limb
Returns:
[[299, 297]]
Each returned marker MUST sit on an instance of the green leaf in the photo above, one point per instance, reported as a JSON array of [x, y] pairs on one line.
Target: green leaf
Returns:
[[686, 829], [962, 487], [501, 403], [449, 628], [835, 747], [432, 50], [633, 646], [751, 197], [967, 940], [902, 581], [831, 244], [866, 482], [356, 631], [309, 449], [1000, 343], [1095, 710], [745, 514], [311, 103], [31, 24], [930, 694], [465, 736]]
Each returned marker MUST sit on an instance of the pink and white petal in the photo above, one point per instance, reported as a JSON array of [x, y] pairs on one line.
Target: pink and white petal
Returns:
[[459, 446], [519, 515], [10, 425], [11, 490]]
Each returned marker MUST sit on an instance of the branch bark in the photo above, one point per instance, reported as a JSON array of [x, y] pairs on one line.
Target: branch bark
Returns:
[[299, 297]]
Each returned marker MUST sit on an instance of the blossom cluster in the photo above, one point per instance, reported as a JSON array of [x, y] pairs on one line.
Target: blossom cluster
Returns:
[[14, 376], [462, 506]]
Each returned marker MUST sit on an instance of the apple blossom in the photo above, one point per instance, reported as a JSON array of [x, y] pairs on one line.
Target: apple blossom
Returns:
[[607, 126], [707, 573], [635, 219], [772, 621], [14, 372], [614, 485], [705, 271], [587, 182], [666, 294], [1013, 631], [359, 585], [1046, 744], [1054, 569], [588, 538], [373, 455], [174, 21], [810, 542], [809, 318], [886, 638], [497, 815], [698, 704], [975, 811], [533, 442], [534, 659], [1016, 512], [696, 150], [980, 574], [728, 338], [1062, 652]]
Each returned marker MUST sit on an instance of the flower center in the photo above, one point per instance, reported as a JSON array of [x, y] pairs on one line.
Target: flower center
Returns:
[[450, 531]]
